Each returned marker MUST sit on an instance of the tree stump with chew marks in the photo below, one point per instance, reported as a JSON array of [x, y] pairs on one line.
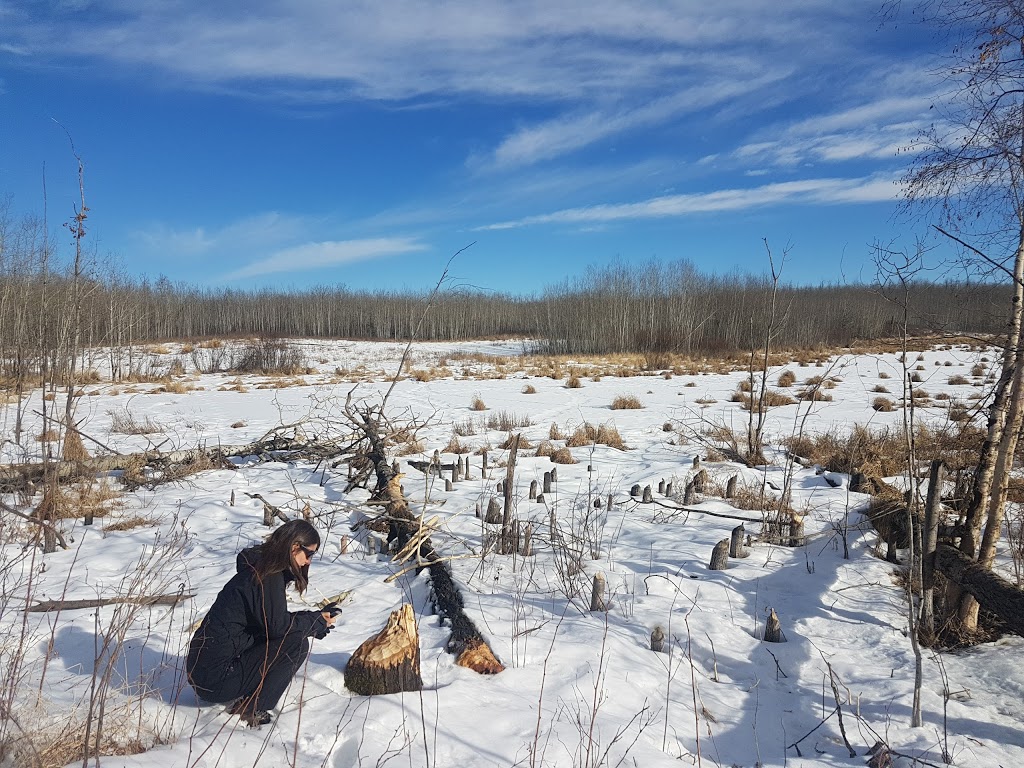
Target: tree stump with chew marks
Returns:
[[719, 556], [773, 628], [390, 661]]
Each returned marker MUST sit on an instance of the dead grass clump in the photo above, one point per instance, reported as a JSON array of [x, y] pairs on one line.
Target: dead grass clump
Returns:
[[422, 376], [529, 389], [705, 401], [464, 428], [957, 380], [129, 523], [744, 385], [883, 375], [506, 421], [555, 432], [545, 449], [883, 404], [177, 387], [477, 404], [915, 377], [667, 427], [176, 368], [585, 434], [815, 395], [608, 434], [524, 444], [977, 370], [74, 449], [88, 376], [881, 389], [787, 379], [626, 402], [573, 382], [239, 425], [563, 456], [455, 446], [123, 422], [772, 399], [159, 349]]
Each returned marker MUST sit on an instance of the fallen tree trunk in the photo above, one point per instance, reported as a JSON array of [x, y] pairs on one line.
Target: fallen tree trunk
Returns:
[[466, 642], [95, 602], [993, 593]]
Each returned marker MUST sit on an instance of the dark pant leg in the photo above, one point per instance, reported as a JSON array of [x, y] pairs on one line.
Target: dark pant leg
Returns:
[[269, 669], [263, 672]]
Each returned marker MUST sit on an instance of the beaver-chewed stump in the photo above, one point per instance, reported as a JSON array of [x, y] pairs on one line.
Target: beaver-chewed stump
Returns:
[[390, 661]]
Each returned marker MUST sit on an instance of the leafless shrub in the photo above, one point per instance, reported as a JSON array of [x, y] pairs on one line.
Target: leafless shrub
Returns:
[[123, 422], [626, 402], [464, 428], [270, 357]]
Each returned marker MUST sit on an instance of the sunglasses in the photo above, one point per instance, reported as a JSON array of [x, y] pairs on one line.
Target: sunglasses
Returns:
[[309, 552]]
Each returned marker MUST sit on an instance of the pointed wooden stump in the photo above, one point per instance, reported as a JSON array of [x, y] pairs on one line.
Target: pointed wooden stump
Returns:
[[390, 661], [719, 556], [493, 515], [736, 542], [773, 629]]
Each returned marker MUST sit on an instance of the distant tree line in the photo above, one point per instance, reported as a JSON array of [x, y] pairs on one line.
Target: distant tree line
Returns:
[[49, 310]]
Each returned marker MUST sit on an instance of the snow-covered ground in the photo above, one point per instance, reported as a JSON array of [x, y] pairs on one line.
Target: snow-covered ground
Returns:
[[580, 688]]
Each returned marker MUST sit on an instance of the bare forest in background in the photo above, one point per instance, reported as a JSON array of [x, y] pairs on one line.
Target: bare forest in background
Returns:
[[51, 309]]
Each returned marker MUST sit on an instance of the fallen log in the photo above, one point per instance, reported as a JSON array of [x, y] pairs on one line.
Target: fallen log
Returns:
[[74, 605], [993, 593]]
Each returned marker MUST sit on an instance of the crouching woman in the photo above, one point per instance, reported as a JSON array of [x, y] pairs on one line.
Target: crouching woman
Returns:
[[249, 646]]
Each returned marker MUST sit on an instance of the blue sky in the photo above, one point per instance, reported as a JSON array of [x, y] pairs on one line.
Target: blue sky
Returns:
[[311, 142]]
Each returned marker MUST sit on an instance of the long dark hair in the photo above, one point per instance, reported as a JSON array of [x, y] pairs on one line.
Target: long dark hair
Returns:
[[276, 552]]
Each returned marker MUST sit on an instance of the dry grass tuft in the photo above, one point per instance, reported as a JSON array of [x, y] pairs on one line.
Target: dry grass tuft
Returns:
[[123, 422], [524, 444], [958, 379], [573, 382], [455, 446], [787, 379], [421, 375], [506, 421], [129, 523], [74, 449], [626, 402], [583, 435], [239, 425], [772, 399], [977, 370], [410, 447], [563, 456], [477, 404], [815, 394], [881, 389], [608, 434], [545, 449], [464, 428], [883, 404], [529, 389], [555, 432]]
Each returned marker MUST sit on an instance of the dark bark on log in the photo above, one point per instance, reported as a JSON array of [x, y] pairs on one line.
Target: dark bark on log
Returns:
[[635, 490], [95, 602], [554, 474], [507, 545], [932, 516], [493, 515], [533, 490], [661, 486], [688, 493], [389, 662], [547, 483], [992, 592]]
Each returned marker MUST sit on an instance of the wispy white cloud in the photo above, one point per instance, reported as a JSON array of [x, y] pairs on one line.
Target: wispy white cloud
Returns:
[[257, 231], [310, 256], [804, 192]]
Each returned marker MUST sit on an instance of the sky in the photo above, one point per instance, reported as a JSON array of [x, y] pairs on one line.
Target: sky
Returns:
[[312, 142]]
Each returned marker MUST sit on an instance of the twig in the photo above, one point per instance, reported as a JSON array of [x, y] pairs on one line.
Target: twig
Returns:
[[795, 744]]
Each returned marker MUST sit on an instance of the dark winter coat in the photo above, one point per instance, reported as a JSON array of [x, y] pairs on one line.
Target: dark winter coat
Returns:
[[246, 613]]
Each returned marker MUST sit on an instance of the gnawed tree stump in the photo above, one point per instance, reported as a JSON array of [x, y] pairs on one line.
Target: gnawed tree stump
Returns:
[[493, 515], [730, 487], [597, 594], [390, 661], [700, 481], [648, 496], [634, 489], [796, 531], [736, 542], [719, 556], [773, 628], [658, 639]]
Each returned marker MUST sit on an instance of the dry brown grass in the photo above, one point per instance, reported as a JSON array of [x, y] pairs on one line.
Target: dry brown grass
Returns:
[[129, 523], [880, 389], [74, 449], [422, 375], [772, 399], [239, 425], [545, 448], [562, 456], [626, 402], [555, 432], [49, 435], [583, 435], [95, 497], [123, 422], [524, 444], [883, 404], [464, 428], [786, 379], [529, 389], [455, 446], [608, 434], [978, 370], [958, 379], [573, 382], [705, 401], [159, 349], [814, 394], [410, 447], [477, 404], [506, 421]]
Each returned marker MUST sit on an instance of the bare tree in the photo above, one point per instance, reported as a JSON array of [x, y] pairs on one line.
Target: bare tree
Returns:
[[970, 169]]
